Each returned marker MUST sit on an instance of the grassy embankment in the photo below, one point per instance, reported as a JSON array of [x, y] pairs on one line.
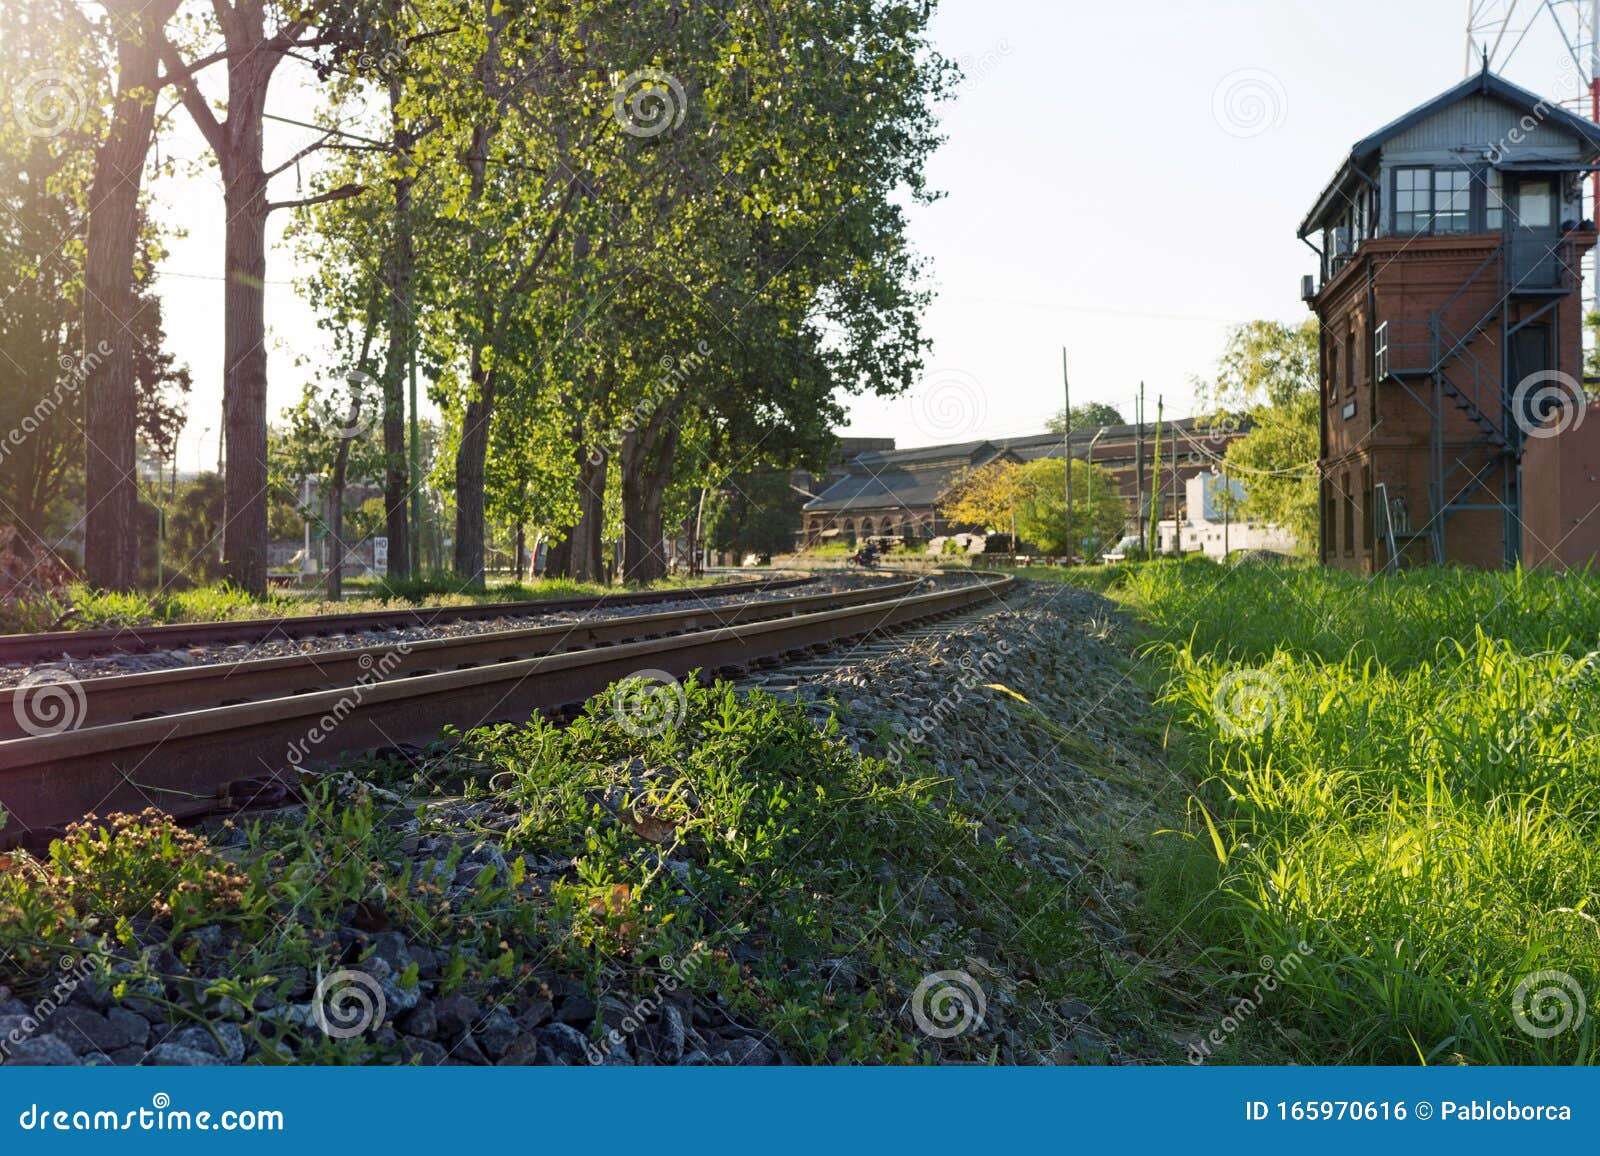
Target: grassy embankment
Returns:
[[1402, 772]]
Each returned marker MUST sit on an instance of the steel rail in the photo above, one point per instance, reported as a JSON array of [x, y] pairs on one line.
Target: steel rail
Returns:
[[57, 644], [150, 694], [189, 763]]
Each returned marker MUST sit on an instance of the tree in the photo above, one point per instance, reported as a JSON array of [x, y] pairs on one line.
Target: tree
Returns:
[[80, 328], [985, 497], [1269, 370], [1089, 415], [110, 388], [1098, 511], [252, 53]]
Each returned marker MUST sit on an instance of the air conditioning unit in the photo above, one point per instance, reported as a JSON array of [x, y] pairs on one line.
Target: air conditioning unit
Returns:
[[1308, 288]]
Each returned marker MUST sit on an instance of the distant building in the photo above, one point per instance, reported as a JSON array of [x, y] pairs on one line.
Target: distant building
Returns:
[[1211, 523], [898, 492], [1452, 329]]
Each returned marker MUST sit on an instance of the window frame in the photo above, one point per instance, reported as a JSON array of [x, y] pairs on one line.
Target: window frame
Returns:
[[1462, 181], [1413, 192]]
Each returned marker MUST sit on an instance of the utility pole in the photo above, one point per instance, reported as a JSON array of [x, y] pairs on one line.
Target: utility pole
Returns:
[[1066, 439], [1227, 507], [1177, 534], [1138, 466]]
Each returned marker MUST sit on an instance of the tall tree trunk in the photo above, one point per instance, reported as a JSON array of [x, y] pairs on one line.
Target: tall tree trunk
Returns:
[[110, 389], [647, 457], [341, 466], [588, 553], [470, 457], [579, 554], [245, 540], [401, 265], [252, 57]]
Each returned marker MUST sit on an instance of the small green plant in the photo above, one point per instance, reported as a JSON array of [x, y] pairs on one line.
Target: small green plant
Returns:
[[143, 866]]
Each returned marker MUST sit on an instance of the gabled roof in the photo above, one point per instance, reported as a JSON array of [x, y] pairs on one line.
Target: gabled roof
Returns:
[[1483, 83], [905, 479]]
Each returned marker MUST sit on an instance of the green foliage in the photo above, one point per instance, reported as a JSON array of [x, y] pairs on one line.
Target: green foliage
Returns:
[[785, 850], [757, 513], [1269, 371], [1401, 773], [1034, 495], [1090, 415], [100, 874]]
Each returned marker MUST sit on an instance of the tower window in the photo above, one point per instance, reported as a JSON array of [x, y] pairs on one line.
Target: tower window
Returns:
[[1413, 194], [1452, 201]]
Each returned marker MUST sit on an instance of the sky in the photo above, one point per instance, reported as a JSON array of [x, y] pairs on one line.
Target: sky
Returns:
[[1120, 179]]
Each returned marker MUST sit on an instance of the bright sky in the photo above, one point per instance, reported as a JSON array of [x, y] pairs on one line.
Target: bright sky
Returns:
[[1122, 179]]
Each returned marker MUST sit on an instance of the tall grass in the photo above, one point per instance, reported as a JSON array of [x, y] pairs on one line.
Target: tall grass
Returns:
[[1405, 774]]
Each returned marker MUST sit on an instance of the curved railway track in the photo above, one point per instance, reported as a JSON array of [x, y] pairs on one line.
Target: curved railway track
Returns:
[[206, 751], [57, 644]]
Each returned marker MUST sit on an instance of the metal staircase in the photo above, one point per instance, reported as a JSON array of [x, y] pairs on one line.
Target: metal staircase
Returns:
[[1441, 358]]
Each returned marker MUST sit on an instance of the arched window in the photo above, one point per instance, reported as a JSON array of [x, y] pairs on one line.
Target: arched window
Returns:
[[850, 529], [866, 527]]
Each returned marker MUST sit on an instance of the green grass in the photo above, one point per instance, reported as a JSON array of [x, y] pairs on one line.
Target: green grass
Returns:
[[805, 888], [1403, 772], [85, 608]]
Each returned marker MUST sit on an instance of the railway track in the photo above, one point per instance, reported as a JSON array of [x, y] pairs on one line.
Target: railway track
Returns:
[[55, 645], [206, 751]]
